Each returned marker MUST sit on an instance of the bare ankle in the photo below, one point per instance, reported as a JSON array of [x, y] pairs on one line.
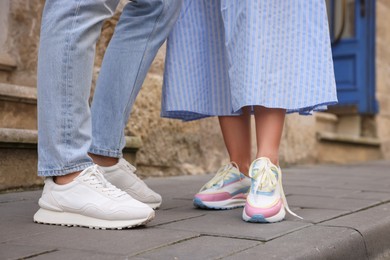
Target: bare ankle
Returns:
[[65, 179], [273, 157], [104, 161]]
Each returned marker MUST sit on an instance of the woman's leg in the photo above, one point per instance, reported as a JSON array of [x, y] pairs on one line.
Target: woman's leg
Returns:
[[269, 128], [268, 202], [236, 131], [228, 188]]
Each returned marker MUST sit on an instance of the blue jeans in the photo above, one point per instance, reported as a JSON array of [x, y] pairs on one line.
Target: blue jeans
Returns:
[[67, 127]]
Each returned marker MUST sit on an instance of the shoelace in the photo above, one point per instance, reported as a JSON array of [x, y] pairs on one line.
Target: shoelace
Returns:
[[266, 181], [132, 170], [95, 178], [220, 176]]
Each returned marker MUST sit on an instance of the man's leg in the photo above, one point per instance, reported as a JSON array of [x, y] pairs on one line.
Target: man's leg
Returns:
[[67, 47], [142, 29], [68, 36]]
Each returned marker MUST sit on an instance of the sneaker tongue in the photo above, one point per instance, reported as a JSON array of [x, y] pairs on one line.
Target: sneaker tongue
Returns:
[[87, 171], [127, 164], [92, 172], [218, 180], [258, 167], [93, 176]]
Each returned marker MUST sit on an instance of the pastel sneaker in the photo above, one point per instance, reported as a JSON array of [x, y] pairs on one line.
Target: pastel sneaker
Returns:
[[227, 190], [90, 201], [266, 201], [123, 176]]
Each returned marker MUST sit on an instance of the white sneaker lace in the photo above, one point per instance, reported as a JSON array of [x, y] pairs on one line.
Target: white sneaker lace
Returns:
[[132, 170], [266, 181], [95, 178], [220, 176]]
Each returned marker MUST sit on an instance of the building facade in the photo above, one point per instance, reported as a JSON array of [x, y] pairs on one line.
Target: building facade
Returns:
[[356, 130]]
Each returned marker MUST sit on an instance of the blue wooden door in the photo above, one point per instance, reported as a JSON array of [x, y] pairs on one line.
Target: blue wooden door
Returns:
[[352, 28]]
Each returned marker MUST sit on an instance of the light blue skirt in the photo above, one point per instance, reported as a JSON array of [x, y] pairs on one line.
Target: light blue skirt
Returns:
[[223, 55]]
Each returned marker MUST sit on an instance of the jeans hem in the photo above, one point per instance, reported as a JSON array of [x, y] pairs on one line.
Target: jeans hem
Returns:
[[65, 170], [104, 152]]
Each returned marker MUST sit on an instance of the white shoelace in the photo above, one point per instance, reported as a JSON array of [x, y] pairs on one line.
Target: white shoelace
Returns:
[[267, 181], [95, 178], [132, 170], [220, 176]]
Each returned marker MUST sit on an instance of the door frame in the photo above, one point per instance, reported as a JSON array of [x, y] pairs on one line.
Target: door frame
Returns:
[[369, 106]]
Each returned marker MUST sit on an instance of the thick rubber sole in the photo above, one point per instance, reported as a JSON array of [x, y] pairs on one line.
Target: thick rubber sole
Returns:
[[226, 204], [260, 219], [44, 216]]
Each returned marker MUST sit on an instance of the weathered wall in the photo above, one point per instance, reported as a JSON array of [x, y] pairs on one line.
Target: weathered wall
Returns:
[[383, 74], [22, 40], [172, 147]]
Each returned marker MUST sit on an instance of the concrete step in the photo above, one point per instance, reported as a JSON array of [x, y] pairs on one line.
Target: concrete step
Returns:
[[341, 148], [341, 139], [18, 106], [7, 63], [18, 157]]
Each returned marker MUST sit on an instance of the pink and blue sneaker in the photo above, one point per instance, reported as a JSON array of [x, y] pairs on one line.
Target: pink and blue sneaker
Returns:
[[266, 202], [226, 190]]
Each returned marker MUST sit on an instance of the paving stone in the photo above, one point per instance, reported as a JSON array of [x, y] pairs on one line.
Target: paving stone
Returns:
[[11, 251], [329, 203], [172, 203], [62, 254], [175, 215], [313, 243], [177, 191], [335, 171], [369, 195], [17, 227], [316, 215], [178, 185], [374, 225], [229, 223], [19, 209], [299, 183], [204, 247], [316, 191], [377, 185], [20, 196], [124, 242], [16, 220]]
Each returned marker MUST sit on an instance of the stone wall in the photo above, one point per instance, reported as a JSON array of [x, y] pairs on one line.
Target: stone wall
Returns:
[[22, 37], [383, 74], [171, 147]]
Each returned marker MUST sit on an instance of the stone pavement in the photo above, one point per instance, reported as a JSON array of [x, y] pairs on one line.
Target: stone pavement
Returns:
[[346, 212]]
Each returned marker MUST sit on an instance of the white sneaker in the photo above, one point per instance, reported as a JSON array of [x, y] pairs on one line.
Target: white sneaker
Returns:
[[226, 190], [90, 201], [122, 176], [266, 201]]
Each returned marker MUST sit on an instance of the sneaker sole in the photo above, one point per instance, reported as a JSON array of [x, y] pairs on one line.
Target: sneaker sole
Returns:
[[260, 219], [226, 204], [154, 205], [44, 216]]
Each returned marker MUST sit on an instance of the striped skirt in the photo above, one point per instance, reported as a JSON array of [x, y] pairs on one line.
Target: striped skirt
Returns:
[[223, 55]]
